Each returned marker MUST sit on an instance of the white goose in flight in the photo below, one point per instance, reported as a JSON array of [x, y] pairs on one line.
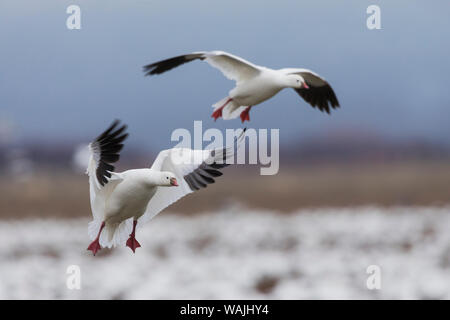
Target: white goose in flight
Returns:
[[254, 84], [119, 200]]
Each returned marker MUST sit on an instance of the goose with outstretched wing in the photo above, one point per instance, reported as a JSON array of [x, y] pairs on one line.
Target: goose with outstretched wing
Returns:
[[254, 84], [119, 200]]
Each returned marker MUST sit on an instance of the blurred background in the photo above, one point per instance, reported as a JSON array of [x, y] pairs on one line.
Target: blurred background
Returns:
[[367, 185]]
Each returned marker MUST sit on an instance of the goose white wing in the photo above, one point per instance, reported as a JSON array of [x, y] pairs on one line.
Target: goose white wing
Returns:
[[104, 151], [194, 170], [233, 67]]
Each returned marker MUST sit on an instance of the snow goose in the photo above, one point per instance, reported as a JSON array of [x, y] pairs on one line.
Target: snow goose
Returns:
[[254, 84], [120, 199]]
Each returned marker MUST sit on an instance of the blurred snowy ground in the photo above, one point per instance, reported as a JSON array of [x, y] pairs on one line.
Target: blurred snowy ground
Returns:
[[237, 253]]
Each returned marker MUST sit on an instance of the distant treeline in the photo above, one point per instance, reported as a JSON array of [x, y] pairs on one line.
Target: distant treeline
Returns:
[[326, 150]]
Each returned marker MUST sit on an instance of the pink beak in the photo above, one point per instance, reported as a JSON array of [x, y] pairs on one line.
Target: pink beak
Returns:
[[305, 85], [173, 182]]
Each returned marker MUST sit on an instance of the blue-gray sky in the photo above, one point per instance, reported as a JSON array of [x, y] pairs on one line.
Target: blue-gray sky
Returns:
[[61, 84]]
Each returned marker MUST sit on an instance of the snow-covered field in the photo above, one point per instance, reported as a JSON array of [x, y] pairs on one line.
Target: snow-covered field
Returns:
[[237, 253]]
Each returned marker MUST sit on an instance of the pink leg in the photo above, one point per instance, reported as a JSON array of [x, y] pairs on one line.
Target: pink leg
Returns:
[[218, 113], [95, 245], [132, 242], [245, 115]]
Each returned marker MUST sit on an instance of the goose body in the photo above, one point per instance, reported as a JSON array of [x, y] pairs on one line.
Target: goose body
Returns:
[[129, 199], [258, 89]]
